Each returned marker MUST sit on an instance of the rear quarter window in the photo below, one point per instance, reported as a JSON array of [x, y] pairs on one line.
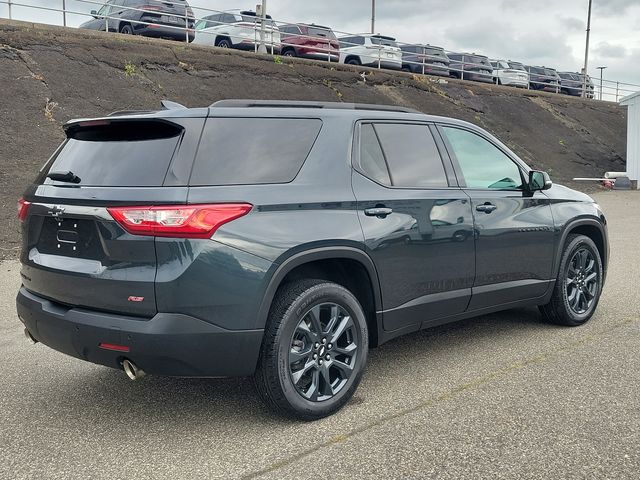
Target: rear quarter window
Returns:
[[244, 151]]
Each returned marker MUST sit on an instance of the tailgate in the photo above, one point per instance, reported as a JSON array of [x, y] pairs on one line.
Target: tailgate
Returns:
[[79, 256], [73, 250]]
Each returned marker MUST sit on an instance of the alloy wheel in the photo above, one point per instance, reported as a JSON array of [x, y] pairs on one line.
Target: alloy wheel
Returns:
[[582, 281], [323, 352]]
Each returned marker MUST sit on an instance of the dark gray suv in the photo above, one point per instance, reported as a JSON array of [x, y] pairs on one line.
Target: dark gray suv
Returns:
[[198, 242]]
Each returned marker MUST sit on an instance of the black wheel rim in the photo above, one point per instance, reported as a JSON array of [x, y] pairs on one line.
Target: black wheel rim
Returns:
[[582, 281], [323, 352]]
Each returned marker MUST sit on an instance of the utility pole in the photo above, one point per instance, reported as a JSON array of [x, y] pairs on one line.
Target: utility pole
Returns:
[[373, 16], [263, 21], [601, 70], [586, 54]]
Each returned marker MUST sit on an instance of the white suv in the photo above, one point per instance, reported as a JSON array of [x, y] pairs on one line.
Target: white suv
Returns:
[[371, 50], [237, 30], [510, 73]]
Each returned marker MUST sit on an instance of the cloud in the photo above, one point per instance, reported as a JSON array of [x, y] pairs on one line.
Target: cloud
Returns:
[[606, 49]]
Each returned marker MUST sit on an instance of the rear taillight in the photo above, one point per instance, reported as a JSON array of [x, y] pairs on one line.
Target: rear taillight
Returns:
[[188, 221], [23, 209]]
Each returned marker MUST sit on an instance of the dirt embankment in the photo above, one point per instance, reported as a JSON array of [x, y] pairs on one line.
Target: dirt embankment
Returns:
[[49, 75]]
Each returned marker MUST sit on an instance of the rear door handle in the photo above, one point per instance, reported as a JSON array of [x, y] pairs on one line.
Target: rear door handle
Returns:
[[380, 212], [486, 208]]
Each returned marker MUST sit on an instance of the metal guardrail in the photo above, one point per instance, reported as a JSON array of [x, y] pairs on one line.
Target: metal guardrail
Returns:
[[274, 42]]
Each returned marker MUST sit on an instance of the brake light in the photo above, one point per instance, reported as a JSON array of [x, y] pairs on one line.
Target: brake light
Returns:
[[180, 221], [23, 209]]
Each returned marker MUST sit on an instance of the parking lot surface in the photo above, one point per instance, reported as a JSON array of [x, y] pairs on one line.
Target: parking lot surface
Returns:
[[499, 396]]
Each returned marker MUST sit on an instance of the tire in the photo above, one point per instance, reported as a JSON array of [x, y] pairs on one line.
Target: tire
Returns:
[[579, 284], [287, 370], [407, 69], [289, 53], [353, 61], [223, 43], [126, 29]]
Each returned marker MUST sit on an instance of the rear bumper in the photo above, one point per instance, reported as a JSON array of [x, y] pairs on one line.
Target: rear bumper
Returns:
[[164, 31], [167, 344]]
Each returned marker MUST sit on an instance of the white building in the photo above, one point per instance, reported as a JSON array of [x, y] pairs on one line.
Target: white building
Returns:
[[633, 136]]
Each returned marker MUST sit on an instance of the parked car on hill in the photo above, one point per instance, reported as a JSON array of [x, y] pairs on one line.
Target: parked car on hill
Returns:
[[149, 18], [504, 74], [425, 59], [571, 83], [371, 50], [199, 243], [309, 41], [240, 30], [470, 66], [543, 78]]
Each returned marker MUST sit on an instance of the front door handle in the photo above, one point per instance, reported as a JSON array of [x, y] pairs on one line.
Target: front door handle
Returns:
[[486, 208], [380, 212]]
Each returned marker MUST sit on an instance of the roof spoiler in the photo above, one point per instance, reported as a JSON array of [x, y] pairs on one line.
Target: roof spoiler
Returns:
[[166, 105], [299, 104]]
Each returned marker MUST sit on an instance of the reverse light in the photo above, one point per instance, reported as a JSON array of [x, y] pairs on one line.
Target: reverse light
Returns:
[[23, 209], [180, 221]]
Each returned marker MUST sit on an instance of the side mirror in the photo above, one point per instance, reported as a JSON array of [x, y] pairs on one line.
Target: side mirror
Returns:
[[94, 13], [539, 181]]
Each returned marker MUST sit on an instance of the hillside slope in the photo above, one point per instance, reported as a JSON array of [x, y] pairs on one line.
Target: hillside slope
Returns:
[[49, 75]]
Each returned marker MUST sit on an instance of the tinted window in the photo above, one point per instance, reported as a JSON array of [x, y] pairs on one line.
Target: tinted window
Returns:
[[483, 164], [241, 151], [124, 154], [411, 48], [372, 160], [384, 41], [321, 32], [351, 41], [435, 52], [412, 155]]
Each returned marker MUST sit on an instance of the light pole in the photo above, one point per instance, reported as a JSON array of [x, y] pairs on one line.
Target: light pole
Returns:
[[586, 55], [373, 16], [601, 70], [263, 21]]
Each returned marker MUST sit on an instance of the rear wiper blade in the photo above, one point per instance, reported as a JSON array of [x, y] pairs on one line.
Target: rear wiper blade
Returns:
[[69, 177]]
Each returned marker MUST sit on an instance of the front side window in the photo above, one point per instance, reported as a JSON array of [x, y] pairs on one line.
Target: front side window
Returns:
[[401, 155], [483, 164]]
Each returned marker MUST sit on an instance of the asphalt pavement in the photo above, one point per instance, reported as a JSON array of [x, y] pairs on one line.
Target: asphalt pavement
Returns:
[[499, 396]]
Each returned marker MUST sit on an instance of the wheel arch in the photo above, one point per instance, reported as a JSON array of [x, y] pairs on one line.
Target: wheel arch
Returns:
[[347, 266], [353, 57], [591, 228]]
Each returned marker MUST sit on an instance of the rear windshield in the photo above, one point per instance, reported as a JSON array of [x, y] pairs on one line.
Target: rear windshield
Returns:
[[477, 60], [384, 41], [242, 151], [119, 154], [321, 32]]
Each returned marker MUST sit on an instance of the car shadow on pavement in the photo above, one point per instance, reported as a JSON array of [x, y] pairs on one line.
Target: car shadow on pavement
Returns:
[[234, 400]]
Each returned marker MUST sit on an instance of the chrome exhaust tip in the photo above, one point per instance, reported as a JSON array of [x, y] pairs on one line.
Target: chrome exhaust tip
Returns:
[[131, 370], [27, 334]]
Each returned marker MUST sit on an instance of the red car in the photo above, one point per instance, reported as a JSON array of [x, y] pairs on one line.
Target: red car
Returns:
[[310, 41]]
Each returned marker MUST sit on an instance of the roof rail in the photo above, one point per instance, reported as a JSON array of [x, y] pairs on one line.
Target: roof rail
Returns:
[[304, 104]]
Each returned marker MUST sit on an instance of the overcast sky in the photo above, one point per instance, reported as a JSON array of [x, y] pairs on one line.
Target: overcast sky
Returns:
[[540, 32]]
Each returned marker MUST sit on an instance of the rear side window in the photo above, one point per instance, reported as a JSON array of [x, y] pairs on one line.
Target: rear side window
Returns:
[[118, 154], [409, 152], [243, 151]]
